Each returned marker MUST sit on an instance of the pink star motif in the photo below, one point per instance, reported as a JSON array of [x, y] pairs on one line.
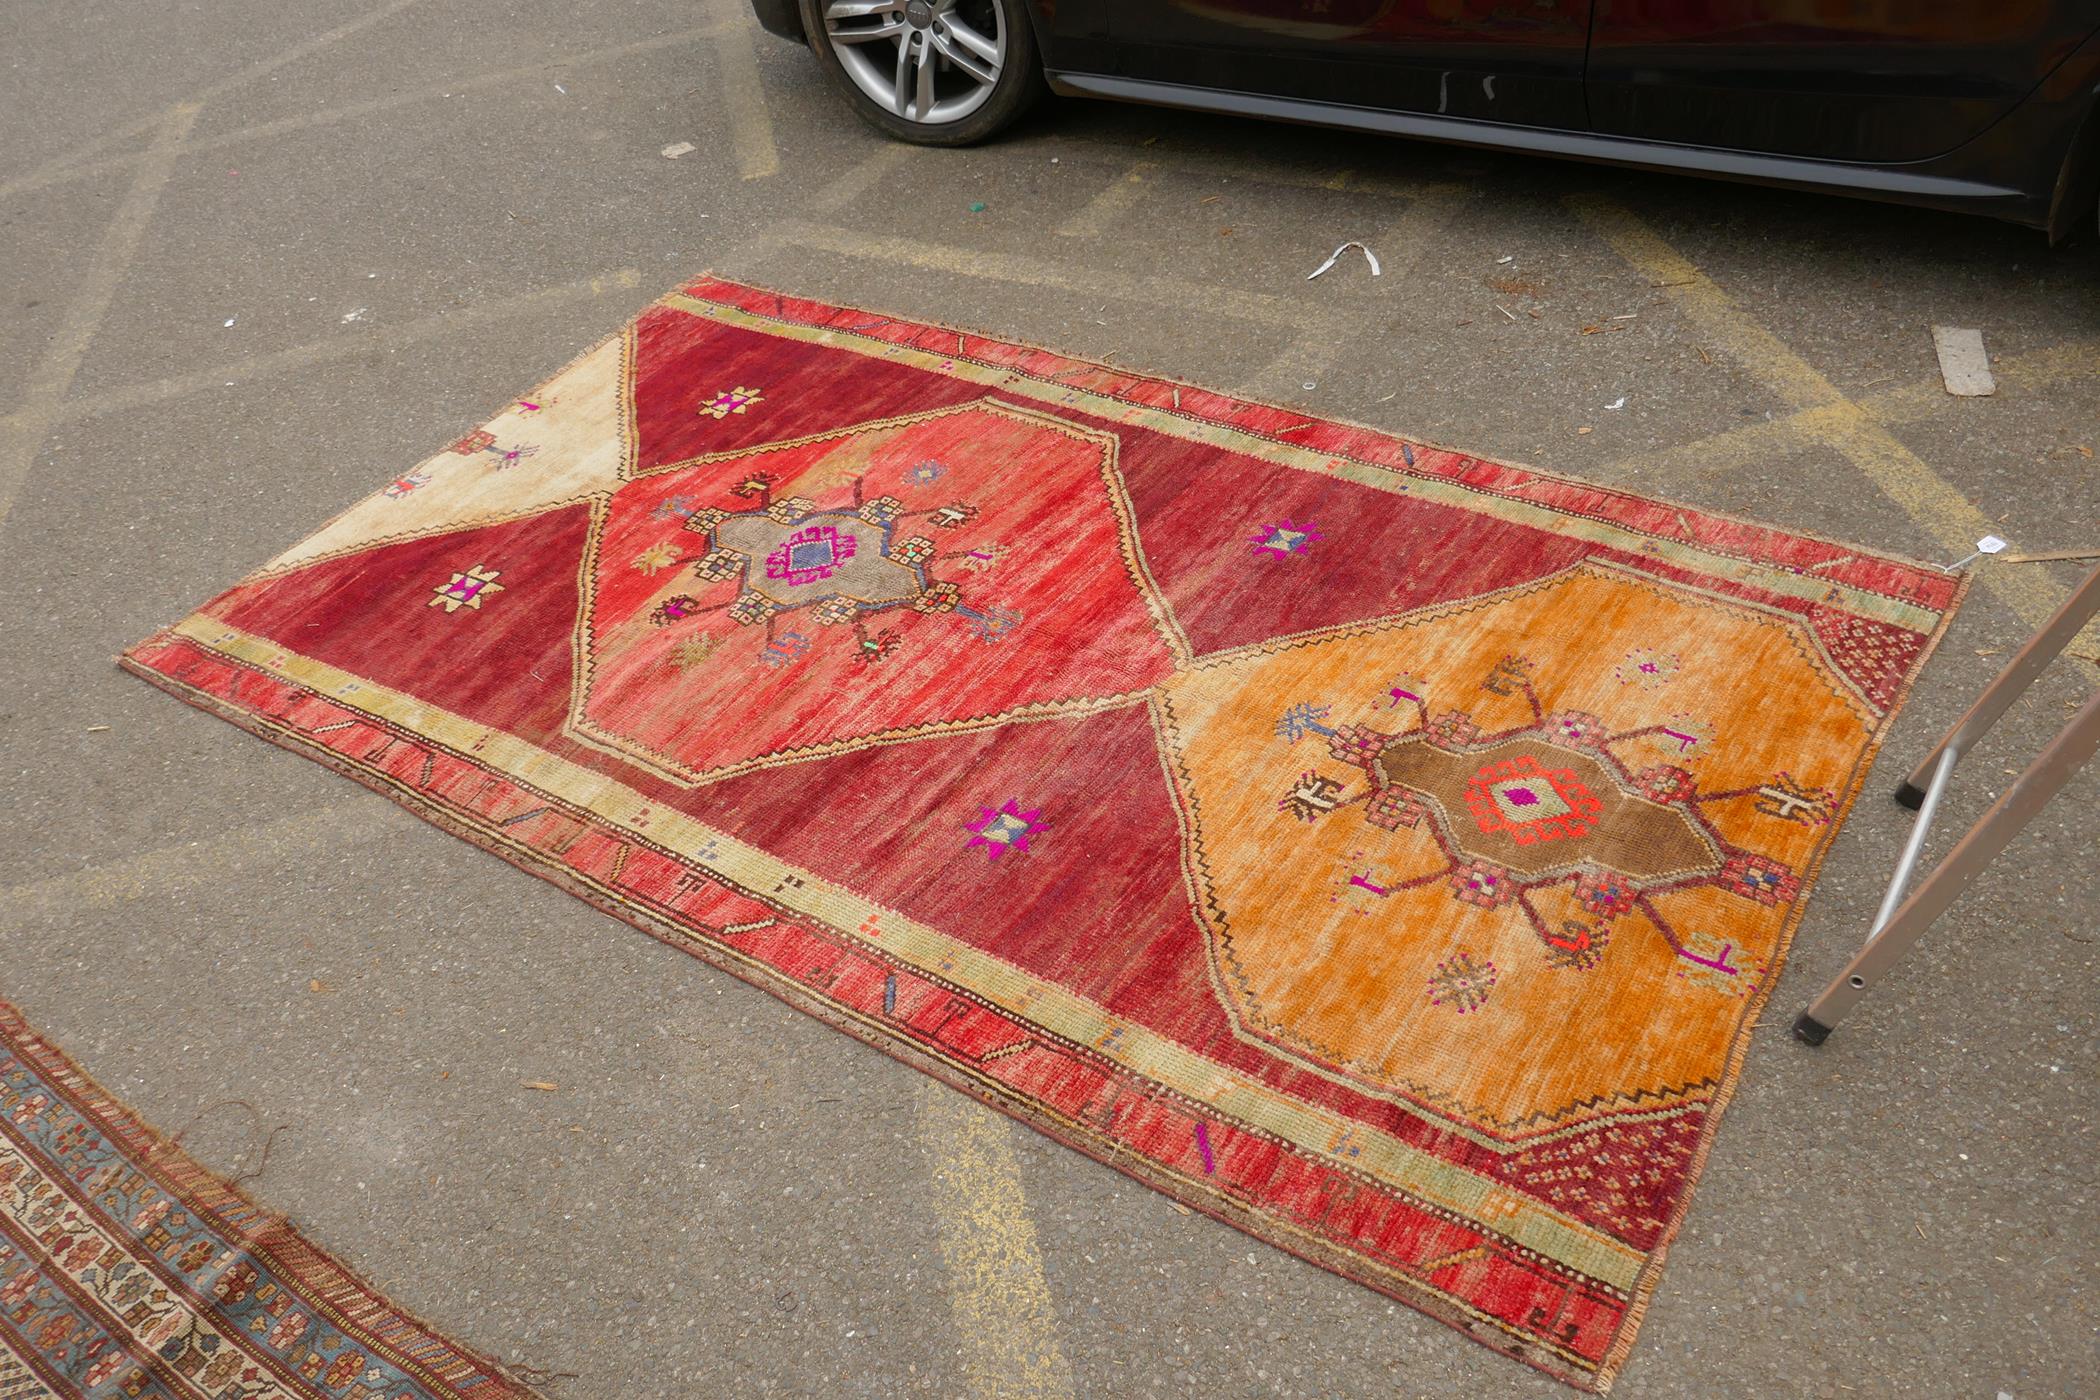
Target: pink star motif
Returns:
[[1284, 539], [1003, 830]]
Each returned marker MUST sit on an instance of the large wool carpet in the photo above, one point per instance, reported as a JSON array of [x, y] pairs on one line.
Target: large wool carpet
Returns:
[[1381, 849], [127, 1271]]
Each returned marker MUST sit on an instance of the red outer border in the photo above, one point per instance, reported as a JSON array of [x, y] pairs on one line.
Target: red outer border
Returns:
[[342, 1298]]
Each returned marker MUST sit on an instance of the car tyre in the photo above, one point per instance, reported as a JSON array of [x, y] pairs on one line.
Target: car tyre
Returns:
[[931, 72]]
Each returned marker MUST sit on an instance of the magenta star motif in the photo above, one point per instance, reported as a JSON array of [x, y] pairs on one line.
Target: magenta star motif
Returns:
[[1284, 539], [1006, 829]]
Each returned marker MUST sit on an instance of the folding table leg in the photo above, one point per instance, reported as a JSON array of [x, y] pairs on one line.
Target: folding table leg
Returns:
[[2019, 673], [2065, 755]]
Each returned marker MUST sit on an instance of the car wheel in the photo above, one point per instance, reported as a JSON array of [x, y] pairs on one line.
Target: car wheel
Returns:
[[932, 72]]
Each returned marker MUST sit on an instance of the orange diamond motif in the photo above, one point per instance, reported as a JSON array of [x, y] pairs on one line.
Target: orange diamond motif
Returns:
[[1531, 802]]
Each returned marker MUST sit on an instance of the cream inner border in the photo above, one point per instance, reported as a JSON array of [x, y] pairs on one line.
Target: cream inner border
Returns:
[[1392, 480], [1526, 1222]]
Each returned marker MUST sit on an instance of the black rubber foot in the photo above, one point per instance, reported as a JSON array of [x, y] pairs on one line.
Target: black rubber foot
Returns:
[[1810, 1031], [1911, 797]]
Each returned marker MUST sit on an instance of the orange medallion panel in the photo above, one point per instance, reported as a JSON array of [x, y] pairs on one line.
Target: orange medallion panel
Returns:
[[1509, 860]]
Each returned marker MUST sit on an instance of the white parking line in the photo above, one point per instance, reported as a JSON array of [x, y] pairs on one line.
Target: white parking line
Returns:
[[346, 346], [22, 433]]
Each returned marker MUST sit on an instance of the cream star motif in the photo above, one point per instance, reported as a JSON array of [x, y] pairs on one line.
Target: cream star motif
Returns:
[[694, 651], [730, 401], [656, 558], [468, 589]]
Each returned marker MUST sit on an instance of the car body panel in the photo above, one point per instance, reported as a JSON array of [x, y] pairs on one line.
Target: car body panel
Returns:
[[1884, 81], [2009, 174], [1515, 61], [2031, 153]]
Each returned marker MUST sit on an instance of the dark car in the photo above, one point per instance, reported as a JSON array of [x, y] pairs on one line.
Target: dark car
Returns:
[[1985, 106]]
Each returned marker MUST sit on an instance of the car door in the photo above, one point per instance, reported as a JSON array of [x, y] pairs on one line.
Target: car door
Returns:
[[1881, 81], [1515, 61]]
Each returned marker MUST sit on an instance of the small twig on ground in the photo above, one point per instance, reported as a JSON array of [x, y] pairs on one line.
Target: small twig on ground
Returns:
[[2049, 556], [539, 1375], [269, 1139]]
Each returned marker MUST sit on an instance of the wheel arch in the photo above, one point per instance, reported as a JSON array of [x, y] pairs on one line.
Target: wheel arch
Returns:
[[782, 18], [2076, 196]]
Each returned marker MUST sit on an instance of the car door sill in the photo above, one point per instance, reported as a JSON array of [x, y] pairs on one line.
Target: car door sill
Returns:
[[1835, 176]]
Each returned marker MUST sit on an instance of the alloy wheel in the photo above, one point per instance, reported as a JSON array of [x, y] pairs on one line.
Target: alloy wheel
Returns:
[[927, 61]]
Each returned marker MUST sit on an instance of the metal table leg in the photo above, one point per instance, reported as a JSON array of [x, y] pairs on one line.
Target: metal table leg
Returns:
[[2066, 754], [2012, 682], [1900, 921]]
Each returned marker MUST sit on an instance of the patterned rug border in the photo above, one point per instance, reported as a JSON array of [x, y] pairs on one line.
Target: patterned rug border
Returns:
[[1269, 1228], [1749, 541], [350, 1303], [1227, 406]]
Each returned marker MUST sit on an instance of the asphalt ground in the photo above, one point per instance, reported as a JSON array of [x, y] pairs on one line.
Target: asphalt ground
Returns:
[[256, 257]]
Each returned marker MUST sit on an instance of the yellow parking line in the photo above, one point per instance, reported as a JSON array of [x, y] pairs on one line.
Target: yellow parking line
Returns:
[[886, 161], [742, 98], [1399, 247], [302, 49], [1912, 403], [1100, 213], [1099, 283], [1383, 184], [1937, 508], [350, 111], [269, 846], [64, 167], [76, 163], [1243, 170], [1003, 1310]]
